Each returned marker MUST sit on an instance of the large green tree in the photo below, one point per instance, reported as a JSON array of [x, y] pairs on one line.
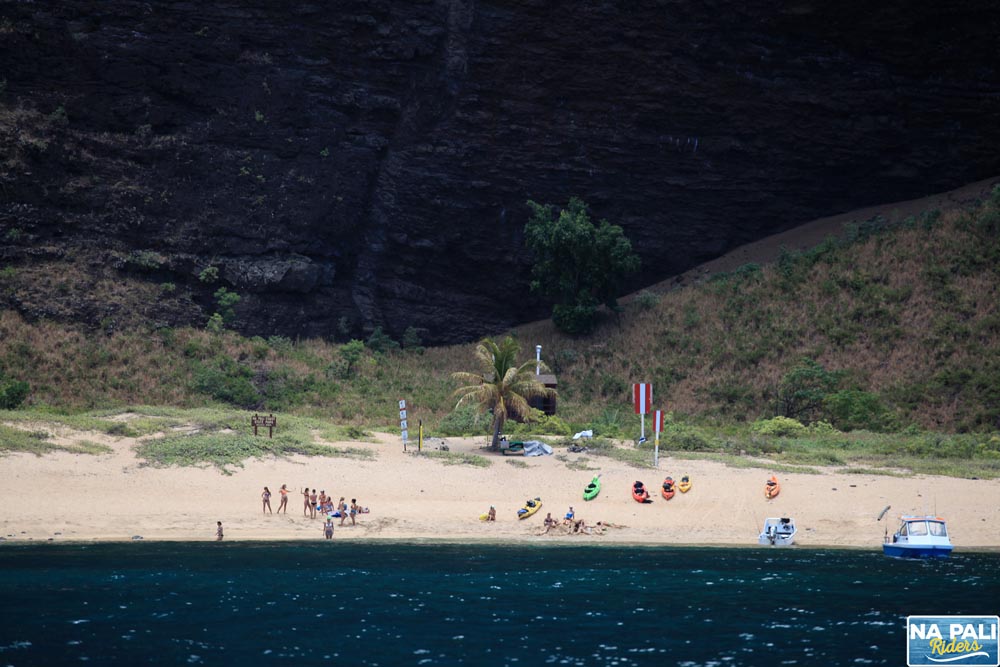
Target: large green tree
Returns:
[[500, 384], [577, 264]]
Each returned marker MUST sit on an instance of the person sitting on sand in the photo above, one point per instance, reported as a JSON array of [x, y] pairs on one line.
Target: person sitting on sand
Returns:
[[580, 526], [266, 497], [569, 516], [549, 523], [492, 514]]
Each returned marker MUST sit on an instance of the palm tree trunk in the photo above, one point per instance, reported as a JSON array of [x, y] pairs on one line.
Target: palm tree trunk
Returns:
[[497, 424]]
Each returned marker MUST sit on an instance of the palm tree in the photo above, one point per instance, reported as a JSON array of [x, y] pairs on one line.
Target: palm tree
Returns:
[[500, 385]]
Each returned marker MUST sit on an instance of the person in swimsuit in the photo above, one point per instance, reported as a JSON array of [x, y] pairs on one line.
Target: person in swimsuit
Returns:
[[305, 501], [492, 514], [218, 531], [322, 498], [328, 528], [266, 497], [284, 499], [312, 504], [342, 506], [569, 516], [354, 509]]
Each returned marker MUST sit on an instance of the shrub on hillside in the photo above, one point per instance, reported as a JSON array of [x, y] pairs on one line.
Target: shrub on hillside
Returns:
[[225, 380], [379, 341], [682, 437], [804, 388], [851, 410], [778, 426], [13, 393], [464, 420], [539, 423]]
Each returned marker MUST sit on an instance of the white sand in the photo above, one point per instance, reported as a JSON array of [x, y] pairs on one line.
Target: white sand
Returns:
[[72, 497]]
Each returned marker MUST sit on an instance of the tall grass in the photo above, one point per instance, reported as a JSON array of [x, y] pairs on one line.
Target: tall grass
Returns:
[[909, 313]]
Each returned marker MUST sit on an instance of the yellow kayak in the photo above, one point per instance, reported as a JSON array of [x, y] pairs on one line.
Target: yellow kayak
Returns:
[[530, 507], [684, 485]]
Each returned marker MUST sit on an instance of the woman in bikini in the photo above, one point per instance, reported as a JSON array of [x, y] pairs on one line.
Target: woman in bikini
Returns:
[[284, 499], [354, 509], [305, 501], [342, 506], [312, 504], [266, 497]]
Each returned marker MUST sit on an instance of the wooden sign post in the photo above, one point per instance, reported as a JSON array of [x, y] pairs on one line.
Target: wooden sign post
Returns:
[[269, 421]]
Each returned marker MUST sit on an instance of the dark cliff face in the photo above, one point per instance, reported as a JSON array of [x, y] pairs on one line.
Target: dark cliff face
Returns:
[[368, 161]]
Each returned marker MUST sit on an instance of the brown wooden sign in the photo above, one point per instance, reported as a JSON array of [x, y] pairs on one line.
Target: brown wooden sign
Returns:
[[270, 421]]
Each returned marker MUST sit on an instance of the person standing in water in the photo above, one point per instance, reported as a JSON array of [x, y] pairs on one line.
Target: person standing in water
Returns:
[[266, 497], [284, 499]]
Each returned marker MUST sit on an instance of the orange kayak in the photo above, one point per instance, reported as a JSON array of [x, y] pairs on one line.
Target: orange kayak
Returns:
[[772, 488], [668, 488], [639, 493]]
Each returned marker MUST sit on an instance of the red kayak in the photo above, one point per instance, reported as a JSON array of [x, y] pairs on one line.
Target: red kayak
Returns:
[[640, 494], [668, 488]]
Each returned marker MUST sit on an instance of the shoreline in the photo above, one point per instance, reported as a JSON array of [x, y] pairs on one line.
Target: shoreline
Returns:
[[443, 541], [63, 498]]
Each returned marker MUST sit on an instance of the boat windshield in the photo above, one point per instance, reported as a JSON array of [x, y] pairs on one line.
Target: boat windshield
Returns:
[[938, 529], [917, 527]]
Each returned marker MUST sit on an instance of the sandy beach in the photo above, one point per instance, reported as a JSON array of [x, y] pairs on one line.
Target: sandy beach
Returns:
[[75, 497]]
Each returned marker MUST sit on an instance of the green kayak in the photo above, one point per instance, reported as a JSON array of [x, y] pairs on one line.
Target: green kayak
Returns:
[[593, 488]]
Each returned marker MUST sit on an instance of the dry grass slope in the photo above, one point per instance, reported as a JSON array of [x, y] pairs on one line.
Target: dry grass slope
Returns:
[[905, 313]]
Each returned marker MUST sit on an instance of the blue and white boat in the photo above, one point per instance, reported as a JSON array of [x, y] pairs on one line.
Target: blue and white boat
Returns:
[[919, 537]]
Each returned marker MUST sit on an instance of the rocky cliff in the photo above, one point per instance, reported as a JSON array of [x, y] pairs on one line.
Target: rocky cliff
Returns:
[[356, 163]]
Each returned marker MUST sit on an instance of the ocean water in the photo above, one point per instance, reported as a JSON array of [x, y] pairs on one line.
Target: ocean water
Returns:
[[356, 603]]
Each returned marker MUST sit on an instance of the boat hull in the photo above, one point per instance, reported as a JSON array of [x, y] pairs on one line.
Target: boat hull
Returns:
[[917, 550]]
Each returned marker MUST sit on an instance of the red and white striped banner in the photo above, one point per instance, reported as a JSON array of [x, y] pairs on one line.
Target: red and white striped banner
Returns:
[[658, 421], [642, 395]]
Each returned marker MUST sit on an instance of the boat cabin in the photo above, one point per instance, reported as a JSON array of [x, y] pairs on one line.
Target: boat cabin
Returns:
[[922, 526], [919, 537]]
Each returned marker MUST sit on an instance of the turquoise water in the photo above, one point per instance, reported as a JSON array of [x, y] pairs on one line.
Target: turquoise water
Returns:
[[408, 604]]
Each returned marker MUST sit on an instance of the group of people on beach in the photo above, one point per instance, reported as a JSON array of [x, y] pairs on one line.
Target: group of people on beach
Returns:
[[573, 526], [314, 504]]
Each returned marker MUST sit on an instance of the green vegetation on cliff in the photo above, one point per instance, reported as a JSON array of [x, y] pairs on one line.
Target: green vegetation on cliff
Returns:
[[883, 335]]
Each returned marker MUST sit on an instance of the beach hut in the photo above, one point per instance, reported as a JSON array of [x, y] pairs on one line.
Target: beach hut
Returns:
[[546, 404]]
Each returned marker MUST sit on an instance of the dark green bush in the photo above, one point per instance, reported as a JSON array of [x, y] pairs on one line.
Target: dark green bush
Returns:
[[381, 342], [225, 380], [465, 420], [575, 319], [13, 393], [851, 410]]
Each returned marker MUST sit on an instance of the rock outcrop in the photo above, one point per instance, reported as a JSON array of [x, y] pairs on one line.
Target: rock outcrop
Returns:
[[366, 163]]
